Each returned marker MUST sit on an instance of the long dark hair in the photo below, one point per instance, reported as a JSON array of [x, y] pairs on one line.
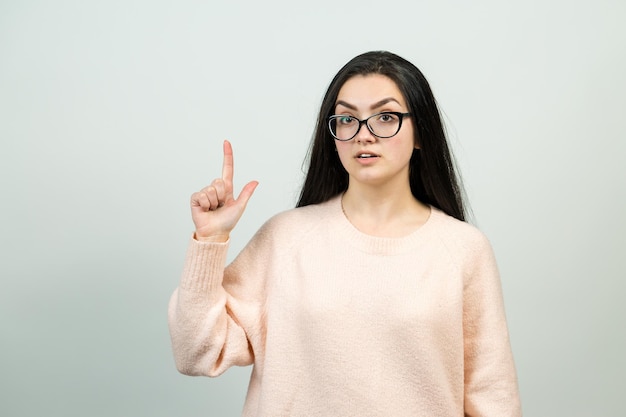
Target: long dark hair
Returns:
[[432, 175]]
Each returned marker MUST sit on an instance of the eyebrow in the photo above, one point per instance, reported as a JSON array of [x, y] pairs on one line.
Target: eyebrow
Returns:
[[372, 107]]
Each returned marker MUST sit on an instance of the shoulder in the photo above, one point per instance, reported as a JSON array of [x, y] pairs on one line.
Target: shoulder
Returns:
[[297, 222], [461, 239]]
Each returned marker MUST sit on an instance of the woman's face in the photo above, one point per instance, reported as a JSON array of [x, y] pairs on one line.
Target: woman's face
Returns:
[[368, 159]]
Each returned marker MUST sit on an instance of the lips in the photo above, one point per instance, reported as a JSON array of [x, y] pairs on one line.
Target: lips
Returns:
[[366, 155]]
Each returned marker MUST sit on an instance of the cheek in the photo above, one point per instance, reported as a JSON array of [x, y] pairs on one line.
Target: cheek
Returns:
[[403, 149], [344, 150], [410, 135]]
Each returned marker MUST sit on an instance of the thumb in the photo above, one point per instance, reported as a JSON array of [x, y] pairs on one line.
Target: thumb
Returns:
[[246, 193]]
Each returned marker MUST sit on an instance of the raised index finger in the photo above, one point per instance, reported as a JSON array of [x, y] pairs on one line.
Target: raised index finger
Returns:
[[227, 167]]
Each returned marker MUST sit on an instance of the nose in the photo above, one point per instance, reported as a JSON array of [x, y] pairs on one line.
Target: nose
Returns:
[[364, 134]]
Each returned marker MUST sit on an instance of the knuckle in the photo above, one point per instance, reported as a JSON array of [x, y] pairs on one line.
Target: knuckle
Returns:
[[196, 197]]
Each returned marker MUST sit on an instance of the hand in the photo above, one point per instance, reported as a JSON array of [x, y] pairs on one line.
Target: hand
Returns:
[[214, 210]]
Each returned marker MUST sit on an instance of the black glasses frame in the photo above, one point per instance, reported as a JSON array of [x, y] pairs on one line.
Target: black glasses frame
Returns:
[[334, 117]]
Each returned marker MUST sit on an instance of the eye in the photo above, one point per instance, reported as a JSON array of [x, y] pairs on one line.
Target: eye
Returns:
[[345, 120], [387, 118]]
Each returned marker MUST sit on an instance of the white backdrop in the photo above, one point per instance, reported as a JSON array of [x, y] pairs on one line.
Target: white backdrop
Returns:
[[113, 113]]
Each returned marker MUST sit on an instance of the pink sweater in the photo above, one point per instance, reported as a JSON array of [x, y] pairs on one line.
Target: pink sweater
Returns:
[[340, 323]]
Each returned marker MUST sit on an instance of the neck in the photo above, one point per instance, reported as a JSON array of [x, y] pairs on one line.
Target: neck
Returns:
[[383, 211]]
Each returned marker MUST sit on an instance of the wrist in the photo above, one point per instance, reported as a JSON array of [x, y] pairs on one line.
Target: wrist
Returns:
[[212, 238]]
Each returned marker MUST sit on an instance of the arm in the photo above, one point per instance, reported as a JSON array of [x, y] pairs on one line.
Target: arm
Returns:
[[490, 376], [207, 334], [207, 337]]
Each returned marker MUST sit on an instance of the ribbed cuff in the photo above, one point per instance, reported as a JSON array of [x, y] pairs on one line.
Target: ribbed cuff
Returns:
[[204, 266]]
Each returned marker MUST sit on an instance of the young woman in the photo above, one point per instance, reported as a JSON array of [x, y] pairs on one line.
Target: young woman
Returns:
[[373, 297]]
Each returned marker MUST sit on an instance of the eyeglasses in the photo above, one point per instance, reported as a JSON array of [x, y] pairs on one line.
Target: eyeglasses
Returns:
[[382, 125]]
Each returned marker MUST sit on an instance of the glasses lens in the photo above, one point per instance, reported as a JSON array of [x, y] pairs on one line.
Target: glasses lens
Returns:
[[343, 127], [384, 125]]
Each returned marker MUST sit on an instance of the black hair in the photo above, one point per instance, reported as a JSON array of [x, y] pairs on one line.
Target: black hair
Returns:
[[432, 175]]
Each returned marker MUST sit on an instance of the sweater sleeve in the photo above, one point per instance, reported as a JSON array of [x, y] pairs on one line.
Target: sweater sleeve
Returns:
[[491, 388], [215, 313]]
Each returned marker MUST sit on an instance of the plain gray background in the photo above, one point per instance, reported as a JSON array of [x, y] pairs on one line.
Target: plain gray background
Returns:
[[113, 113]]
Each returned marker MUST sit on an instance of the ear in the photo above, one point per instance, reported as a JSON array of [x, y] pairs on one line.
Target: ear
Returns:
[[416, 139], [416, 143]]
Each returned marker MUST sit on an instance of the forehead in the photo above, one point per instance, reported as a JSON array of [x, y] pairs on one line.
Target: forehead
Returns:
[[363, 90]]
